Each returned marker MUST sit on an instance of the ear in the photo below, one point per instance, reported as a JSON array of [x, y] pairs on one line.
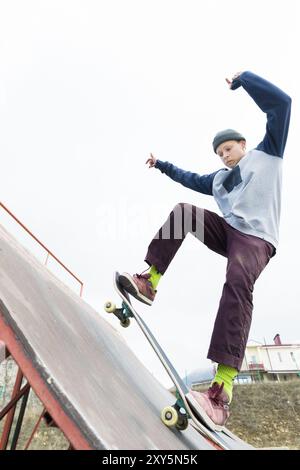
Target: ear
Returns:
[[243, 144]]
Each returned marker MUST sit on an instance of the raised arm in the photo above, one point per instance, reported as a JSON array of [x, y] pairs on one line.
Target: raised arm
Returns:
[[202, 184], [272, 101]]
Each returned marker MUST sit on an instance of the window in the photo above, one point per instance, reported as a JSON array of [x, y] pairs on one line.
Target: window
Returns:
[[279, 357], [293, 357]]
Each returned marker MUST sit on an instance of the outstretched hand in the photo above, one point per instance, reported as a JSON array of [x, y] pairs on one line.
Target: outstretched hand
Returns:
[[151, 161], [229, 82]]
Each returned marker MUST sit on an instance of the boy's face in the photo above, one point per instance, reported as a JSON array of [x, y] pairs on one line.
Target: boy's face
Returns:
[[231, 152]]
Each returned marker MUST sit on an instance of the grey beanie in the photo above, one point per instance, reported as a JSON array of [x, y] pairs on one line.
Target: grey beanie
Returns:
[[223, 136]]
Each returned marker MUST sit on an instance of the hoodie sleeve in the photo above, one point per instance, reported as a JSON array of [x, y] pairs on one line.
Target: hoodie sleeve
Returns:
[[202, 184], [277, 106]]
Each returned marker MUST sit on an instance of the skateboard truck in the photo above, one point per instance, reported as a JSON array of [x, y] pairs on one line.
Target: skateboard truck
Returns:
[[123, 313], [176, 415]]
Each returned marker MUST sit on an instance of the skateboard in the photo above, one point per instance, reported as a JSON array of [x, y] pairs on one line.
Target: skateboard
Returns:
[[185, 410]]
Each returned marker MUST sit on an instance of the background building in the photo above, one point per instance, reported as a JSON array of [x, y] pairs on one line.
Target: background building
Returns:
[[269, 362], [262, 363]]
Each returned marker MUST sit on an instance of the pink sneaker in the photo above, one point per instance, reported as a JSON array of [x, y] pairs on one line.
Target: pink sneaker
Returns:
[[138, 286], [214, 405]]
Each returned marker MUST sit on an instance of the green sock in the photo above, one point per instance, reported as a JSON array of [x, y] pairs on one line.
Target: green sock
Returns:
[[226, 375], [154, 277]]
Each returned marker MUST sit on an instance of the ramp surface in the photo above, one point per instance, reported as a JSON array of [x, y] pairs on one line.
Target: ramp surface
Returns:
[[94, 387]]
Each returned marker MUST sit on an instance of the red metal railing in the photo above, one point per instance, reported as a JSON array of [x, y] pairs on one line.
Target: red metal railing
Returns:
[[49, 253]]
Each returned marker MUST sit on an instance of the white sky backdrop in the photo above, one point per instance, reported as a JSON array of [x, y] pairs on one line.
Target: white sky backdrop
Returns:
[[87, 90]]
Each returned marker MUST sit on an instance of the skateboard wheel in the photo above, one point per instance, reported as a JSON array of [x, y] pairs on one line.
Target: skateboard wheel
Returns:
[[109, 307], [125, 323], [169, 416]]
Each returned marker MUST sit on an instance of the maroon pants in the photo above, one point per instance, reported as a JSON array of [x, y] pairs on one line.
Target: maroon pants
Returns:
[[247, 256]]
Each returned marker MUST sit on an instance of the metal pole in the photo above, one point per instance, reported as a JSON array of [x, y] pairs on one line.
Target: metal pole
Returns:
[[34, 429], [47, 258], [20, 421], [43, 246], [11, 413], [14, 401]]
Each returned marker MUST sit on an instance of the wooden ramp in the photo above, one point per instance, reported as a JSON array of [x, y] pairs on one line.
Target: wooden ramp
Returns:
[[93, 386]]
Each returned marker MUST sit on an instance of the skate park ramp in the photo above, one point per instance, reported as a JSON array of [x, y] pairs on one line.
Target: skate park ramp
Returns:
[[96, 390]]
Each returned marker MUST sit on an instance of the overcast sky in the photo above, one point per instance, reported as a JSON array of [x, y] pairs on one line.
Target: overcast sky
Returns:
[[87, 90]]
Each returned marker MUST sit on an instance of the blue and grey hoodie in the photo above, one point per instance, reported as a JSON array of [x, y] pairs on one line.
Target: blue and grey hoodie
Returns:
[[249, 195]]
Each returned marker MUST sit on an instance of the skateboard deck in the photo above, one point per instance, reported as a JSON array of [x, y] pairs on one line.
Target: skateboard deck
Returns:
[[186, 410]]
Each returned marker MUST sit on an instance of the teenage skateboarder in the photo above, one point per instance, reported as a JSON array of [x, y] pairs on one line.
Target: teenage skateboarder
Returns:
[[248, 193]]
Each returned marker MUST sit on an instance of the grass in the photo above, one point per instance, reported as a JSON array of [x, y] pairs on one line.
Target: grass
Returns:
[[267, 414]]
